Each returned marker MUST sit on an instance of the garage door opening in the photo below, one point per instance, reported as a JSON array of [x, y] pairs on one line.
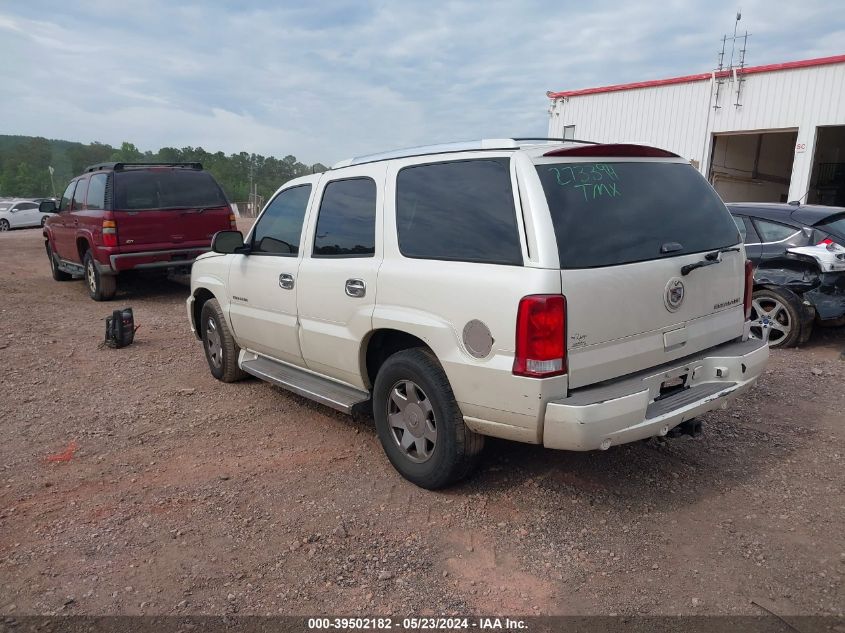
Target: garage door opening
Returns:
[[827, 182], [753, 167]]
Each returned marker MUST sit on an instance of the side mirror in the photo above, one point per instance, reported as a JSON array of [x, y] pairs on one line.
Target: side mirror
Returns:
[[227, 242], [47, 206]]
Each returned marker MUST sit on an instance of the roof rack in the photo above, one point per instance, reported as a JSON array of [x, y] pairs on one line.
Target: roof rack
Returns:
[[556, 140], [123, 166], [448, 148]]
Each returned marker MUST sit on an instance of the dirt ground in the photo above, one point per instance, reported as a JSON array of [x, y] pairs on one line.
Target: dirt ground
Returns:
[[183, 495]]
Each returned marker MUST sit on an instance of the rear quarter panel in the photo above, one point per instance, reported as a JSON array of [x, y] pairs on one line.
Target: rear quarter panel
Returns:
[[434, 300]]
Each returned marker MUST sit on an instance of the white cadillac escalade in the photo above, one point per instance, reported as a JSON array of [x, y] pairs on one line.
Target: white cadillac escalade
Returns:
[[572, 294]]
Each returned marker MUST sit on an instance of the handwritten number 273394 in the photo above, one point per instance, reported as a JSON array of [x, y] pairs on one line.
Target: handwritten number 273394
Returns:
[[594, 181]]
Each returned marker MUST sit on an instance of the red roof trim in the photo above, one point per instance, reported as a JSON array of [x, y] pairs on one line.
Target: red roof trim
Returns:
[[750, 70]]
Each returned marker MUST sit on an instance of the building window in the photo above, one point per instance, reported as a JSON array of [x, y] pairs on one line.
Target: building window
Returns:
[[568, 132]]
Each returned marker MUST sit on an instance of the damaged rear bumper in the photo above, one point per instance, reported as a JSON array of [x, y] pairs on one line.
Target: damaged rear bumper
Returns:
[[828, 298], [628, 409]]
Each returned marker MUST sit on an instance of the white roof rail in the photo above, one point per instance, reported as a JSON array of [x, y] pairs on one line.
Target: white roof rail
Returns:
[[441, 148]]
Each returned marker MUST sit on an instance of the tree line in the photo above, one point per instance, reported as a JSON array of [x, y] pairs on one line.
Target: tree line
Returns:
[[25, 163]]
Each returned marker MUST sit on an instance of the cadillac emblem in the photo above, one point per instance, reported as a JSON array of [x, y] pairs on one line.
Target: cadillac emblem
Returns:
[[674, 295]]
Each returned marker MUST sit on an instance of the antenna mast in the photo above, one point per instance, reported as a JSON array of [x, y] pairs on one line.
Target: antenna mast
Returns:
[[735, 72]]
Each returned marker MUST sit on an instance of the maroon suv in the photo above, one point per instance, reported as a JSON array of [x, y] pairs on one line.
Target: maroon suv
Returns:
[[117, 217]]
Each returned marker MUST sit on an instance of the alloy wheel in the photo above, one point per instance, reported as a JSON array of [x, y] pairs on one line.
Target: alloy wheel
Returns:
[[412, 422], [91, 276], [770, 313], [213, 343]]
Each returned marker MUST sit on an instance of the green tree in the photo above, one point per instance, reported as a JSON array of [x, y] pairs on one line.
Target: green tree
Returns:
[[24, 163]]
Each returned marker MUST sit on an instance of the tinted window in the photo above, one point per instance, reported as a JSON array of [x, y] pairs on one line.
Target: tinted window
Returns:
[[740, 224], [177, 188], [97, 191], [67, 196], [772, 231], [26, 206], [835, 225], [346, 226], [280, 227], [606, 214], [458, 211], [79, 195]]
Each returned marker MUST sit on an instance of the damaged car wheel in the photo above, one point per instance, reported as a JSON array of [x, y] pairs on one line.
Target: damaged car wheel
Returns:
[[780, 314]]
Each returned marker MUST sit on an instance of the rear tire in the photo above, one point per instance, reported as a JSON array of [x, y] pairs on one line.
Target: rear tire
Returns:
[[780, 311], [4, 225], [100, 287], [58, 275], [419, 423], [221, 350]]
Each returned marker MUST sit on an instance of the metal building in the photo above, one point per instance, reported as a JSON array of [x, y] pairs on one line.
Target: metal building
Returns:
[[771, 133]]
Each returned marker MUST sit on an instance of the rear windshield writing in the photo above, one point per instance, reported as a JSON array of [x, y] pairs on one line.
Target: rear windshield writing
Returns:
[[605, 214], [166, 189], [594, 181]]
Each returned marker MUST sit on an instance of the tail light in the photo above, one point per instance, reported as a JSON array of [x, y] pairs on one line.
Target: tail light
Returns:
[[540, 336], [109, 233], [749, 287], [233, 222], [826, 242]]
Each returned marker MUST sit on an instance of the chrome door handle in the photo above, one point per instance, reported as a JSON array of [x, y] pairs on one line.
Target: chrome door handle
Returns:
[[286, 281], [356, 287]]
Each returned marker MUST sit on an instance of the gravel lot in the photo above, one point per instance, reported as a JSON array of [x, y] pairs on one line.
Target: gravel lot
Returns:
[[182, 495]]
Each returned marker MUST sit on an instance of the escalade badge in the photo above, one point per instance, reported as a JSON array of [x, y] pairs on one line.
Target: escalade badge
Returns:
[[674, 295]]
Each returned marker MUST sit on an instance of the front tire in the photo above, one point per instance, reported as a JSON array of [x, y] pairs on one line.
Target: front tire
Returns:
[[221, 350], [419, 423], [58, 275], [100, 287], [780, 312]]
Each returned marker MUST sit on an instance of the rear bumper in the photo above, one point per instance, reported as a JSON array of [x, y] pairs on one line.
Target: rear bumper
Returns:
[[173, 258], [626, 410]]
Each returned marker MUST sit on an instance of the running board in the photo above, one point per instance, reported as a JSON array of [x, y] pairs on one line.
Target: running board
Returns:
[[70, 267], [328, 392]]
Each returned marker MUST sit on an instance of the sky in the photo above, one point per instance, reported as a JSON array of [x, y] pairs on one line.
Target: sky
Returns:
[[330, 80]]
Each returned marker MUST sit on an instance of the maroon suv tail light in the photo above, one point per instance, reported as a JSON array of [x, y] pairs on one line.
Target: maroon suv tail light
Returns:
[[540, 336], [109, 231]]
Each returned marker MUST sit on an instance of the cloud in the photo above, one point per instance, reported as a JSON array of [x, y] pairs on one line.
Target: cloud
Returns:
[[336, 79]]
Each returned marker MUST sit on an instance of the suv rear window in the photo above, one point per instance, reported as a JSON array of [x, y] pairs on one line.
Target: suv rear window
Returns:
[[606, 214], [179, 188]]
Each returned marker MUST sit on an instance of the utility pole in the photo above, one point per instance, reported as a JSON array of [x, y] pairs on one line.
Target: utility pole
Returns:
[[251, 199], [52, 184]]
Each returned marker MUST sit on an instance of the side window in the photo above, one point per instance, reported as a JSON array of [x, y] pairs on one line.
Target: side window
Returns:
[[346, 226], [67, 196], [26, 206], [772, 231], [97, 191], [280, 227], [458, 211], [740, 224], [79, 195]]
